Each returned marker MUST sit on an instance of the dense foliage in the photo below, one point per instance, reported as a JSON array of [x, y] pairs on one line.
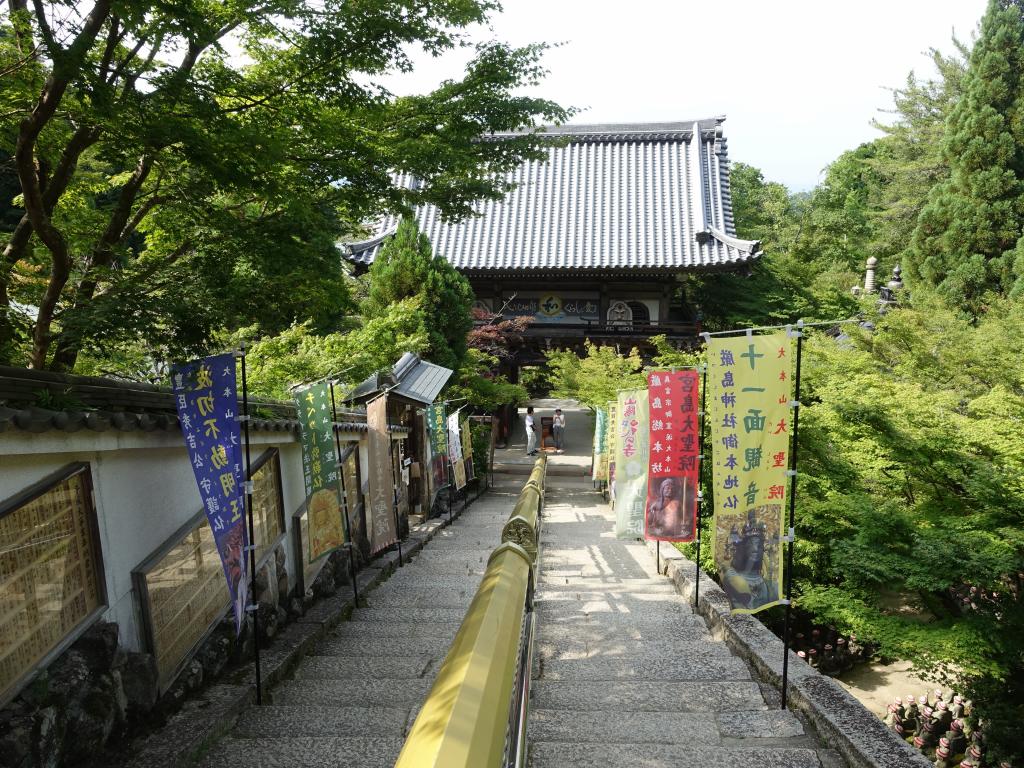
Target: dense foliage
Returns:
[[910, 504], [968, 238], [182, 168], [406, 268]]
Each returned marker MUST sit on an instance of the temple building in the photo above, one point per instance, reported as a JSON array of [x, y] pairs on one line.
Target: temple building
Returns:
[[592, 240]]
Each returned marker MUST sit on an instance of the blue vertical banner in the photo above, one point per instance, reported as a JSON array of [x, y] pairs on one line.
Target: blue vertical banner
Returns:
[[206, 394]]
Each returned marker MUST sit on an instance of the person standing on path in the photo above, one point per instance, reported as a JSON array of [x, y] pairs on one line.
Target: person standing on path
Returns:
[[531, 433], [558, 430]]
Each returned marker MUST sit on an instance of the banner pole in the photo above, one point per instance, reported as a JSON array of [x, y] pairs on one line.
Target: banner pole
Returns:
[[792, 517], [254, 608], [394, 491], [344, 497], [700, 478]]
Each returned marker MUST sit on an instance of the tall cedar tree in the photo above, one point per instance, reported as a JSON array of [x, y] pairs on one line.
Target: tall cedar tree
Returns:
[[406, 268], [968, 240]]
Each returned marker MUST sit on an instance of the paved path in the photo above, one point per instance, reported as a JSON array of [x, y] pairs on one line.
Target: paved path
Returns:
[[579, 441], [352, 701], [625, 675]]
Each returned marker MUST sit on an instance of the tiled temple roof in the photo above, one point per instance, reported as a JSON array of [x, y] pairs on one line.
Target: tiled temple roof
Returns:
[[646, 196]]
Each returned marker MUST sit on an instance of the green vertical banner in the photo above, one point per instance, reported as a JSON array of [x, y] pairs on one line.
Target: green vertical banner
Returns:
[[438, 429], [599, 468], [631, 459], [749, 387], [319, 469]]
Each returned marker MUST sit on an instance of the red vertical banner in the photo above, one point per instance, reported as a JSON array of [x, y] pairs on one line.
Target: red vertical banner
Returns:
[[673, 470]]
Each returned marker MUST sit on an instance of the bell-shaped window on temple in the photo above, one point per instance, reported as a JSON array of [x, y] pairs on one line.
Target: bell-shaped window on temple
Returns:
[[641, 314]]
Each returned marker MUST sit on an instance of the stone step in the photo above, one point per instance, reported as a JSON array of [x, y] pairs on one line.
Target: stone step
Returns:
[[405, 613], [699, 648], [553, 754], [584, 727], [457, 569], [485, 542], [591, 629], [370, 646], [611, 607], [623, 696], [428, 580], [423, 597], [306, 752], [773, 724], [395, 629], [655, 669], [391, 667], [587, 587], [352, 693], [573, 569], [274, 721]]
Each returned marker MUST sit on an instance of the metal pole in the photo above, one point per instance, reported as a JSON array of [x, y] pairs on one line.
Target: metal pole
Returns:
[[792, 518], [344, 498], [657, 555], [700, 477], [254, 609]]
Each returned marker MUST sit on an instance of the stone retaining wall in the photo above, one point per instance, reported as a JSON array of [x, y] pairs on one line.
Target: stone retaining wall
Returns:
[[841, 721], [97, 693]]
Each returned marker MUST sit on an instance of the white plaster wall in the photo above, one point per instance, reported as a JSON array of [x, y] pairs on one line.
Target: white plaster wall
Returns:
[[144, 489]]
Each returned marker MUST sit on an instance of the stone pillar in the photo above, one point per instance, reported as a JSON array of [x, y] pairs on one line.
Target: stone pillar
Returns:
[[869, 275]]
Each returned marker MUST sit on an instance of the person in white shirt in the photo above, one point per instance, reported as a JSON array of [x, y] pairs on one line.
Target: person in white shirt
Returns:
[[558, 430], [531, 433]]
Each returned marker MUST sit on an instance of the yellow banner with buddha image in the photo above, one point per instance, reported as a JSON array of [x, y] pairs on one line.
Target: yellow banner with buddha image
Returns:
[[749, 387]]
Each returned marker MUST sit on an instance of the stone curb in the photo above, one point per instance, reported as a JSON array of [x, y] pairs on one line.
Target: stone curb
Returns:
[[841, 721], [190, 732]]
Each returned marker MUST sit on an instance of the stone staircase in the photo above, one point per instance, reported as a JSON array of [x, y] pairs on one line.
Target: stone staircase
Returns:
[[351, 702], [625, 675]]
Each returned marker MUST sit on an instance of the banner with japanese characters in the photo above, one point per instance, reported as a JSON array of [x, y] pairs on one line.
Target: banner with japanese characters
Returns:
[[609, 449], [455, 452], [631, 457], [437, 426], [467, 449], [319, 469], [675, 443], [749, 386], [206, 394], [380, 516], [599, 466]]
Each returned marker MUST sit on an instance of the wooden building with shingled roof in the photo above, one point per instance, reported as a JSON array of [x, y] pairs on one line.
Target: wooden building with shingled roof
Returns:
[[591, 240]]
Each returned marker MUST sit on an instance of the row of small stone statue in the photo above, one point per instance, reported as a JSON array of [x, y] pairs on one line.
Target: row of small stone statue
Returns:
[[941, 728], [830, 653]]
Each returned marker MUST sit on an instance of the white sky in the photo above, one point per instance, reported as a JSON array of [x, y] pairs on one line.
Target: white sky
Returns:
[[799, 80]]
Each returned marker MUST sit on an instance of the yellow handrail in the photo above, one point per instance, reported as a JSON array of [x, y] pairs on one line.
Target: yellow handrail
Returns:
[[464, 722]]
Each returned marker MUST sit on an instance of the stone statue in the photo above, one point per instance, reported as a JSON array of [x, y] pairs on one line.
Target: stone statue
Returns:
[[943, 758], [957, 740]]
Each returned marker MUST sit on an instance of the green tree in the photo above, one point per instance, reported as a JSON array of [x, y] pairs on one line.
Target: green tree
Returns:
[[595, 378], [275, 363], [484, 389], [911, 503], [149, 158], [406, 268], [907, 161], [968, 240]]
